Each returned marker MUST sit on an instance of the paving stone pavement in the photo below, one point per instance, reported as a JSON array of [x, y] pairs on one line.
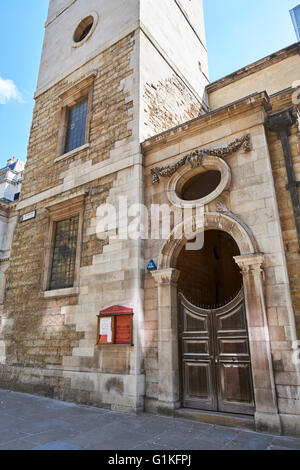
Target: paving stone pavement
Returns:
[[36, 423]]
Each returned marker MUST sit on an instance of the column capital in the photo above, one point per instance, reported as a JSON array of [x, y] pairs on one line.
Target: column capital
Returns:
[[165, 276], [251, 262]]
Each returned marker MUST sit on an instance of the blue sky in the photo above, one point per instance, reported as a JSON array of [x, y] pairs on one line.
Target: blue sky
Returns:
[[238, 33]]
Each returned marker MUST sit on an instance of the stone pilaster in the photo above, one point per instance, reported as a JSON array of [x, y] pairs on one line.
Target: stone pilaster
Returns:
[[168, 361], [266, 416]]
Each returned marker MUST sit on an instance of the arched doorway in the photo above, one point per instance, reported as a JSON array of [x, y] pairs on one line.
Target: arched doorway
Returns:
[[210, 278], [251, 264], [214, 353]]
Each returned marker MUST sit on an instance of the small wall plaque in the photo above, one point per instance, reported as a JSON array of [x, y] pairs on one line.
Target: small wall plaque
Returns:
[[151, 266], [28, 216]]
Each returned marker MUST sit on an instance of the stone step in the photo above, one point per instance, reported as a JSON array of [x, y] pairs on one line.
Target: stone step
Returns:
[[221, 419]]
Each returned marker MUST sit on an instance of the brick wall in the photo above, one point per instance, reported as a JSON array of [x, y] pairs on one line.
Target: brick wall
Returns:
[[169, 103], [40, 333], [40, 336], [111, 113], [285, 206]]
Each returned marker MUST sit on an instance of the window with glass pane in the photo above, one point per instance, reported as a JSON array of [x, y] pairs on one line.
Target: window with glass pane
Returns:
[[76, 126], [64, 254]]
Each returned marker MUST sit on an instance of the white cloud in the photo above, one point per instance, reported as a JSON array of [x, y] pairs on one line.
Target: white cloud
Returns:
[[9, 91]]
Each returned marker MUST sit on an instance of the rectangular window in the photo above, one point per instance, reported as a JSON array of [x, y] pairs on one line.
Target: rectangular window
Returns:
[[76, 126], [75, 117], [64, 254]]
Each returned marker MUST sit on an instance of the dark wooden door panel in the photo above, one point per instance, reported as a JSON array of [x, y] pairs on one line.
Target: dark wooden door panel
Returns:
[[195, 324], [195, 347], [231, 321], [232, 354], [199, 387], [229, 347], [198, 374], [235, 390], [215, 365]]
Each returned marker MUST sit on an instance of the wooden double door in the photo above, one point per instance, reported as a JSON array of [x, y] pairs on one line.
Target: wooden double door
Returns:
[[215, 358]]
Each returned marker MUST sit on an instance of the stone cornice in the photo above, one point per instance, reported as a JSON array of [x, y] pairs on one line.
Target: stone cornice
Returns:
[[80, 85], [210, 119], [6, 180], [261, 64], [194, 159]]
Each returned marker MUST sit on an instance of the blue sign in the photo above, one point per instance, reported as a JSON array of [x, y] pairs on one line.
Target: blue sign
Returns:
[[152, 266]]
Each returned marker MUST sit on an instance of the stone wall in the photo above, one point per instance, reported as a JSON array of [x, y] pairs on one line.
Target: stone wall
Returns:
[[112, 110], [167, 104], [272, 74], [47, 344], [48, 339], [167, 98], [40, 336], [253, 200], [287, 218]]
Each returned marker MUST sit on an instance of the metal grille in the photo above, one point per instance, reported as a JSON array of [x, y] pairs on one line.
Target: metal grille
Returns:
[[64, 254], [197, 301], [76, 126]]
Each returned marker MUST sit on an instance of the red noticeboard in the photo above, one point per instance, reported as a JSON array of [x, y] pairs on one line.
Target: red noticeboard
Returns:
[[121, 319]]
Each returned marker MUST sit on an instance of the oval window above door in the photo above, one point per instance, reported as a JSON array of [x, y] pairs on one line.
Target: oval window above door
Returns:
[[201, 185]]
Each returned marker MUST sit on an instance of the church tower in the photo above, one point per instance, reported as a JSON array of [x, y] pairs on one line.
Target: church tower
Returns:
[[168, 62], [113, 73]]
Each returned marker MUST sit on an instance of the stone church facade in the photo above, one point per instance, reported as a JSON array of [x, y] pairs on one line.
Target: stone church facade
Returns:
[[123, 110]]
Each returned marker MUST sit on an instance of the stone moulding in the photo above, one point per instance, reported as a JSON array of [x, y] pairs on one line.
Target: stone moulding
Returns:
[[195, 158]]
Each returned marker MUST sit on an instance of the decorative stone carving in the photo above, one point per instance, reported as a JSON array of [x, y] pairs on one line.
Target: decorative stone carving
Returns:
[[253, 262], [165, 276], [195, 158], [221, 205], [178, 180]]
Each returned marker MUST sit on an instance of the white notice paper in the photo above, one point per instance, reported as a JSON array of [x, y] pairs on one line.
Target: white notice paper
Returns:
[[106, 328]]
